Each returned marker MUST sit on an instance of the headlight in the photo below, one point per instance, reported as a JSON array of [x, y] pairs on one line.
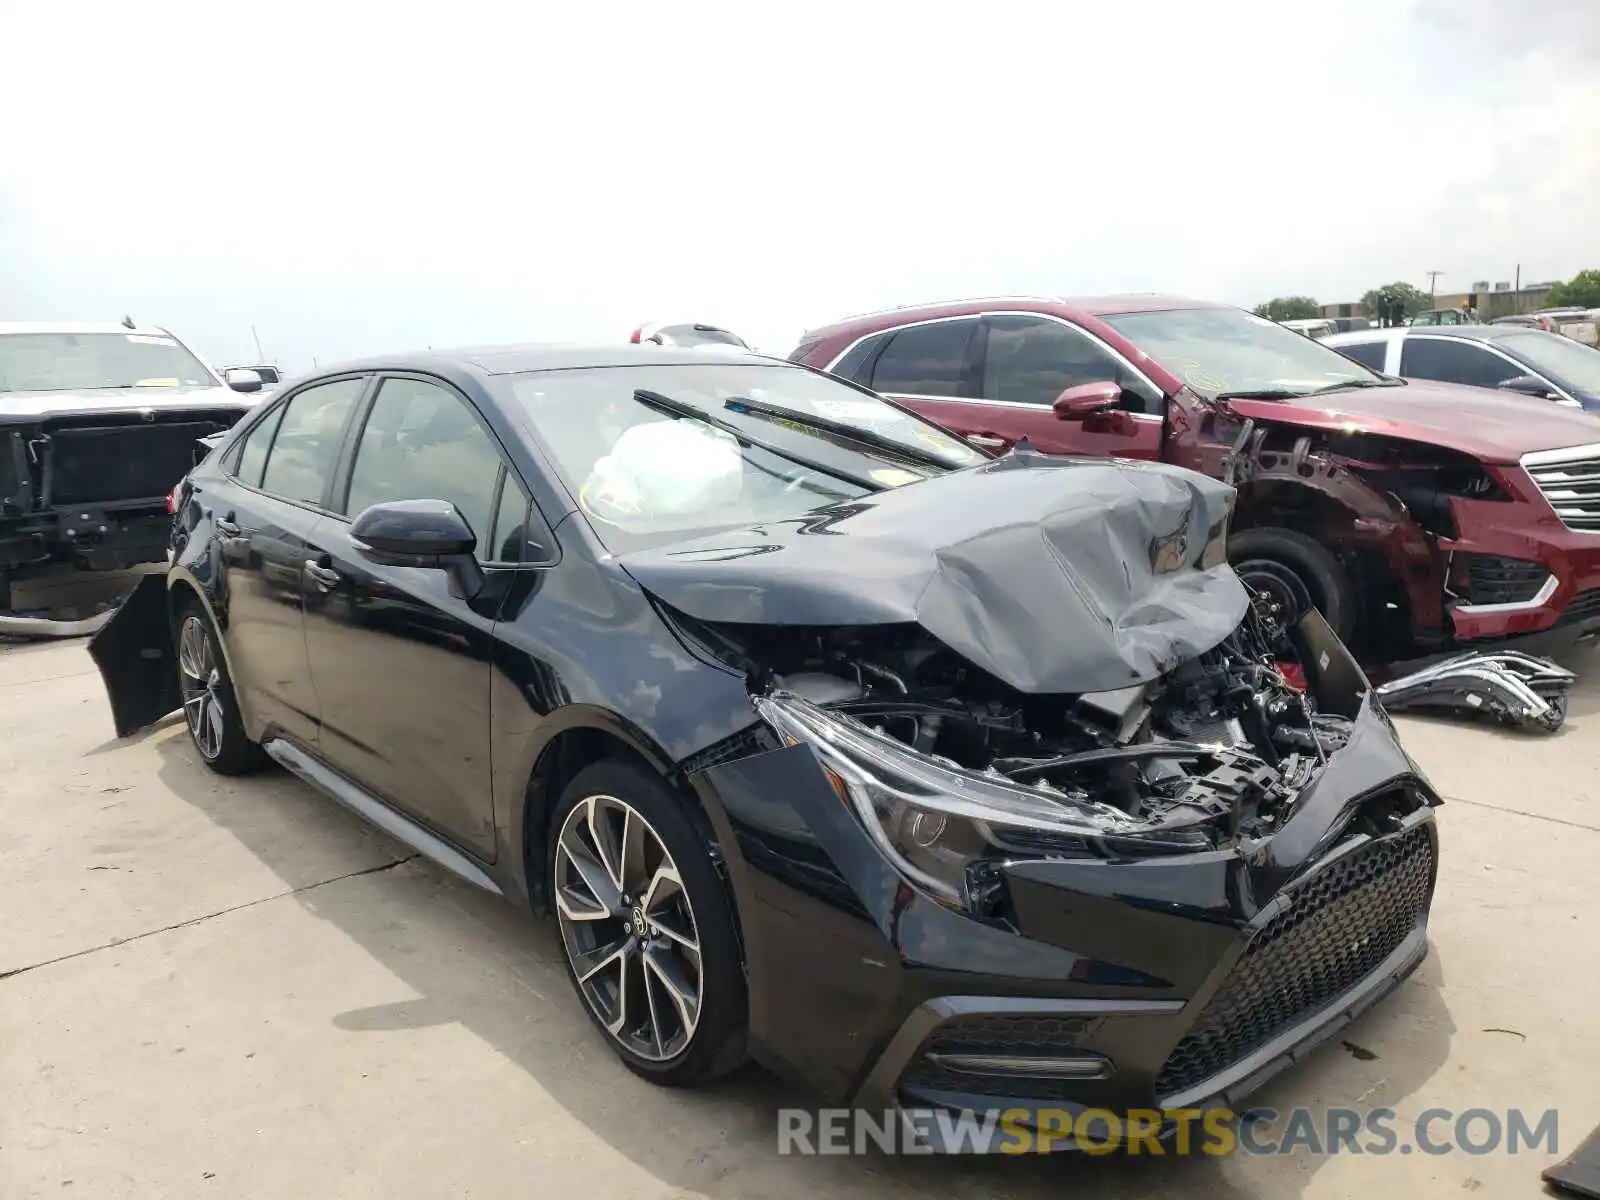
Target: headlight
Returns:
[[938, 822]]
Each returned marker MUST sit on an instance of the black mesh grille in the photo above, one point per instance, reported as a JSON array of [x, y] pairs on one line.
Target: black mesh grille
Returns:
[[1339, 927], [1025, 1034], [1495, 580], [1585, 606]]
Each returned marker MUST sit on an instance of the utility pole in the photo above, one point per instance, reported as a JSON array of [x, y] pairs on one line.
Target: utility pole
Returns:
[[260, 357], [1433, 286]]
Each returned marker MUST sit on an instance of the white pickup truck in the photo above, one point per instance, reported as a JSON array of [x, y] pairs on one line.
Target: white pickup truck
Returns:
[[98, 423]]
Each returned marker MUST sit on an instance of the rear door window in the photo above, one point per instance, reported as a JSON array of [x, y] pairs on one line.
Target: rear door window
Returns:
[[305, 451], [1368, 354], [251, 456], [1454, 361], [927, 360]]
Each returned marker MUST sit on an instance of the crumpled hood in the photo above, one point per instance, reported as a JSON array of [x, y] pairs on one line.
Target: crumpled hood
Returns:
[[1490, 425], [1056, 575], [31, 405]]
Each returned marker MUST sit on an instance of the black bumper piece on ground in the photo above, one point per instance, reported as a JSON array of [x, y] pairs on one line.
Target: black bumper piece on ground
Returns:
[[1579, 1173]]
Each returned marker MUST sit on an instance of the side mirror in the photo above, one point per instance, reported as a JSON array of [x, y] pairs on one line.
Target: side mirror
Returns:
[[430, 534], [240, 379], [1077, 403], [1529, 385]]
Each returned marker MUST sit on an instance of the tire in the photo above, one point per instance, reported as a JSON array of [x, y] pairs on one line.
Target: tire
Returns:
[[1296, 569], [210, 711], [652, 1030]]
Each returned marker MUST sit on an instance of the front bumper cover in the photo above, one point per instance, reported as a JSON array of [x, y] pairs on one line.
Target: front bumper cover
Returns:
[[1177, 972]]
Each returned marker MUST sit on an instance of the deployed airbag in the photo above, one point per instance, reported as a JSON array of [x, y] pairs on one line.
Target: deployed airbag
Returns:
[[1053, 574], [668, 467]]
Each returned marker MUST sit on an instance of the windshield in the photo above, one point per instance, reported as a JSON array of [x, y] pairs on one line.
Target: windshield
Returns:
[[72, 362], [1217, 350], [644, 476], [1569, 362]]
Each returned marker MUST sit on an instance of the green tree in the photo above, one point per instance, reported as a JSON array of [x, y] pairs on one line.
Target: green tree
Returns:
[[1414, 298], [1581, 291], [1289, 308]]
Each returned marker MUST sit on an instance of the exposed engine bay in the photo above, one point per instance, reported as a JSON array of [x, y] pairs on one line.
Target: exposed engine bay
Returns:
[[1222, 745]]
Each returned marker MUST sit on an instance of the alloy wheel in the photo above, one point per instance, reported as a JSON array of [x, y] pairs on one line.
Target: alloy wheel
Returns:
[[198, 681], [628, 927]]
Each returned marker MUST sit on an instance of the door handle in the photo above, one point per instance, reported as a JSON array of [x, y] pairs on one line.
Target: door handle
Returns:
[[325, 578], [987, 440]]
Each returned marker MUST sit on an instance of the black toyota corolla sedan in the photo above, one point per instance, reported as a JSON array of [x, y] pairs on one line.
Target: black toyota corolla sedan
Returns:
[[931, 778]]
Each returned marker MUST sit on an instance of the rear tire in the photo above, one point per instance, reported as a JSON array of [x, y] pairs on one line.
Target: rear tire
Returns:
[[210, 710], [1298, 572], [619, 821]]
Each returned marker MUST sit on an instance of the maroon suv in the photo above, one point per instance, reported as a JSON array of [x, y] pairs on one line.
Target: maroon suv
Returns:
[[1414, 515]]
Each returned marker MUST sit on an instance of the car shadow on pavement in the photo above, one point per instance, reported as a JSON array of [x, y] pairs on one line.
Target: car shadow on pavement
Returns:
[[111, 745], [498, 972]]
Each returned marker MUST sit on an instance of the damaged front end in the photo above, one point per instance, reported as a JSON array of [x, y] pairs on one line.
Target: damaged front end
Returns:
[[1442, 537], [1156, 896], [954, 773], [1069, 820]]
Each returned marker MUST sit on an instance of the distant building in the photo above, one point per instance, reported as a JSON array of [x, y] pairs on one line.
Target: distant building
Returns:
[[1499, 299]]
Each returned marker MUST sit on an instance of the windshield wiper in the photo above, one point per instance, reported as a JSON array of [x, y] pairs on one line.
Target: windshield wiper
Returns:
[[1262, 394], [1341, 384], [1301, 393], [867, 437], [677, 408]]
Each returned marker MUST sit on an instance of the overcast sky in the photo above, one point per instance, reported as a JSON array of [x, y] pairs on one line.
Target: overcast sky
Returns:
[[353, 178]]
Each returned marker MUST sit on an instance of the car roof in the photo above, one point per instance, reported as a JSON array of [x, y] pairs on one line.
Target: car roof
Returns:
[[1138, 302], [516, 359], [79, 327], [1066, 306], [1466, 333]]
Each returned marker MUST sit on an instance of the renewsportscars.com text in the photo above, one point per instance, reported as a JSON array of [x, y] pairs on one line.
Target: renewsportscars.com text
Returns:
[[1214, 1132]]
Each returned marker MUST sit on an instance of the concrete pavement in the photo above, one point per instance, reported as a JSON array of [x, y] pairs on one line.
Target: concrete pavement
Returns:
[[231, 988]]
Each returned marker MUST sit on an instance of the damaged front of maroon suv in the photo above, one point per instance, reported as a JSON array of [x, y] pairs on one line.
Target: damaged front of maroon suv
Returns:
[[1080, 829]]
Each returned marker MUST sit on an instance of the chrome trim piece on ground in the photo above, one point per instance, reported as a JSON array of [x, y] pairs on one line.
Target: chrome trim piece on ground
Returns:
[[1515, 689], [385, 818]]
